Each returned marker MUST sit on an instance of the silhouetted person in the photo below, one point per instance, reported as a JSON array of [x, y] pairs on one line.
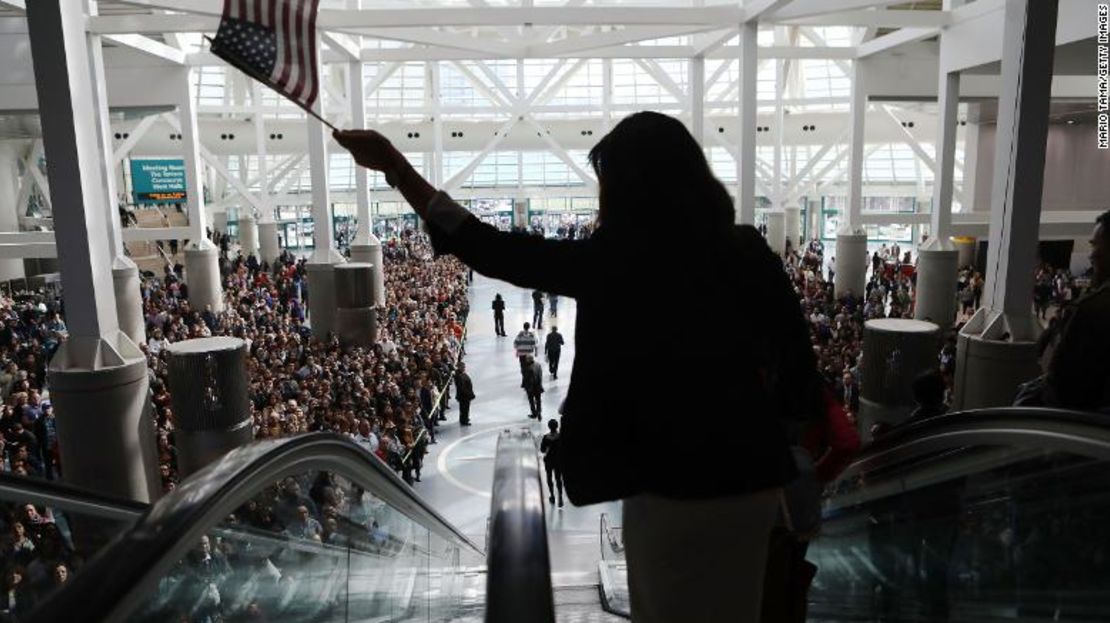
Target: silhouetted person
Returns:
[[464, 393], [650, 168], [549, 447], [553, 348], [499, 316]]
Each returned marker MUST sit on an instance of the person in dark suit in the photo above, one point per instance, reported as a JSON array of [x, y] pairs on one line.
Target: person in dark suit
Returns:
[[499, 316], [464, 393], [549, 447], [537, 309], [650, 168], [533, 386], [553, 347]]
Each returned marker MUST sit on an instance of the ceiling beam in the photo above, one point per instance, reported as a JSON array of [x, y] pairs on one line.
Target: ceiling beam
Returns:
[[809, 8], [894, 39], [897, 18], [150, 47], [348, 19], [756, 9]]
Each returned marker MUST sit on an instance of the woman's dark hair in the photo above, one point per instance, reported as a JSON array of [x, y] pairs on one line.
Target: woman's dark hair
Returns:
[[650, 169]]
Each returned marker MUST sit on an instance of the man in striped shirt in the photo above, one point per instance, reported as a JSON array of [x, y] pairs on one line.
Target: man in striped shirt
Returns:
[[525, 344]]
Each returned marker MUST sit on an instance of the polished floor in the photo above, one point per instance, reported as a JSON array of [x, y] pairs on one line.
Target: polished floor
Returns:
[[458, 474]]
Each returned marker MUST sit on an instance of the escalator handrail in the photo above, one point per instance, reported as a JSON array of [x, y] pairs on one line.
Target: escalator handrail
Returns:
[[1010, 430], [63, 497], [518, 578], [117, 580], [1080, 432]]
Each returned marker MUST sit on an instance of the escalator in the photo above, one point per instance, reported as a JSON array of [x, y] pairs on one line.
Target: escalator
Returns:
[[314, 528], [992, 515], [979, 516]]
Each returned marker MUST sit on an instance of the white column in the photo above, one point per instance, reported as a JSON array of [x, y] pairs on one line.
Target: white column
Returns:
[[366, 247], [98, 377], [997, 348], [202, 270], [851, 239], [776, 230], [935, 298], [697, 99], [780, 119], [266, 234], [745, 161], [607, 94], [857, 113], [321, 274], [9, 203], [793, 225], [125, 274]]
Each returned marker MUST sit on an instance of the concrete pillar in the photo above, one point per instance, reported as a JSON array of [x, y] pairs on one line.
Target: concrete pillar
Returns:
[[935, 296], [321, 266], [520, 213], [98, 377], [813, 213], [202, 275], [851, 265], [793, 226], [776, 230], [208, 384], [129, 299], [370, 252], [895, 352], [355, 317], [965, 250], [697, 98], [268, 248], [219, 222], [996, 350], [937, 263], [321, 297], [248, 234], [745, 161], [851, 239], [10, 268]]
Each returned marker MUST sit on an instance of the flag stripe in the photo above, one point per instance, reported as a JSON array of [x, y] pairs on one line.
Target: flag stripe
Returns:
[[311, 54], [231, 9], [260, 11], [286, 41], [299, 28], [248, 11], [275, 9]]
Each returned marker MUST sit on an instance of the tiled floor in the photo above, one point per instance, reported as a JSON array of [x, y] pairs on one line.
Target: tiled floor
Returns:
[[458, 473]]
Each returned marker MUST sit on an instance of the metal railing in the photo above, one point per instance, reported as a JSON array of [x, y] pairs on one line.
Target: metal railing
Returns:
[[116, 582], [518, 580]]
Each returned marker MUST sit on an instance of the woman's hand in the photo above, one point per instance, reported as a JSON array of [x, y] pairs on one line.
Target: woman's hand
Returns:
[[373, 151]]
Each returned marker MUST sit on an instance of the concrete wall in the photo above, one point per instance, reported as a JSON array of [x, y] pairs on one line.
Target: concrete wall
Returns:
[[1076, 175]]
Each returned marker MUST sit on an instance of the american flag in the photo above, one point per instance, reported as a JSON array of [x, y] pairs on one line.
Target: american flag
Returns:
[[273, 41]]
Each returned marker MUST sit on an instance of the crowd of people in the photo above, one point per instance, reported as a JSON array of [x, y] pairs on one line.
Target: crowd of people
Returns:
[[384, 397], [388, 398]]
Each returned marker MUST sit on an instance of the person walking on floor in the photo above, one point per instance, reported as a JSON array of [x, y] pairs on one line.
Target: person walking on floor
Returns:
[[553, 300], [553, 347], [533, 385], [526, 346], [537, 309], [499, 316], [549, 447], [649, 168], [464, 393]]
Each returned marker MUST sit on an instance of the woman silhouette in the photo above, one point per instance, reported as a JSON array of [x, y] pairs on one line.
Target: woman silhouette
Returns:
[[695, 542]]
